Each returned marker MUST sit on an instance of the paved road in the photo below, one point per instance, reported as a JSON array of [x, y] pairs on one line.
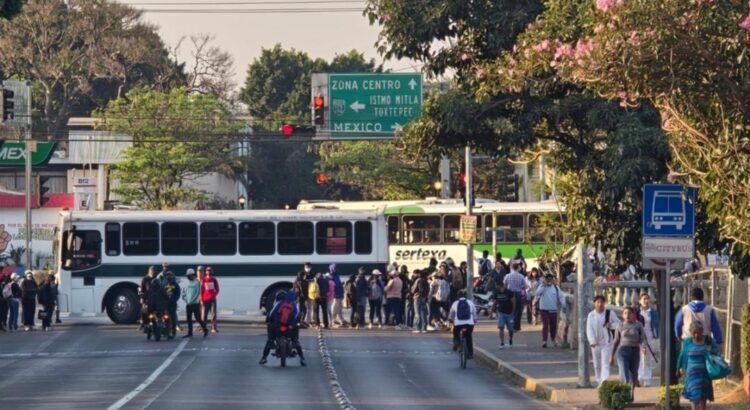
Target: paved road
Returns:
[[95, 367]]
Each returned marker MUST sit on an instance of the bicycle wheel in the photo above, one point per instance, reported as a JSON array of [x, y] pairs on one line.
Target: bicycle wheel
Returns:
[[463, 352]]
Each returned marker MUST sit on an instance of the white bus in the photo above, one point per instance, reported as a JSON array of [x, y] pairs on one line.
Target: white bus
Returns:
[[102, 256], [419, 230]]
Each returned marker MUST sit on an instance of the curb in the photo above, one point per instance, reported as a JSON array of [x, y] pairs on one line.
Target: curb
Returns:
[[333, 378]]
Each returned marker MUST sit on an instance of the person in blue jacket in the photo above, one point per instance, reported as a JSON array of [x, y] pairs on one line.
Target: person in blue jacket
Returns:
[[274, 321], [698, 311], [338, 297]]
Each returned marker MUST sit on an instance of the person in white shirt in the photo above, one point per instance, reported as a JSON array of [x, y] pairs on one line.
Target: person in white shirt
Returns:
[[648, 352], [463, 314], [600, 324]]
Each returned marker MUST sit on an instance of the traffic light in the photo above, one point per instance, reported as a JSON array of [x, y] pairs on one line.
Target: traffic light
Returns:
[[319, 110], [7, 105], [322, 178], [462, 180], [289, 130], [41, 190], [510, 188]]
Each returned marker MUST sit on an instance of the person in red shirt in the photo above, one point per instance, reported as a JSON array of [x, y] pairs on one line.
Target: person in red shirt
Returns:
[[209, 291]]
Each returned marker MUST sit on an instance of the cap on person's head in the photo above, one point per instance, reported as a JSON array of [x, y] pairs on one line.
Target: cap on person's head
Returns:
[[361, 271], [28, 272], [200, 268], [190, 272], [376, 272]]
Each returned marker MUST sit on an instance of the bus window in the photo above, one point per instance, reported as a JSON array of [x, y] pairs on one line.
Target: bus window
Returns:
[[295, 238], [512, 228], [535, 233], [218, 238], [140, 238], [179, 238], [334, 238], [393, 232], [363, 237], [112, 239], [422, 229], [82, 249], [451, 228], [257, 238]]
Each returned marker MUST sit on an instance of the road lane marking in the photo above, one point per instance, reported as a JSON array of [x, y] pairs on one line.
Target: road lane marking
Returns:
[[150, 379], [174, 379]]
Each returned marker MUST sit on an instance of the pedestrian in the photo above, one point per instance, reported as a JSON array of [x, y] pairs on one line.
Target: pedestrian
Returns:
[[699, 311], [432, 268], [56, 293], [310, 279], [172, 289], [209, 292], [321, 302], [496, 274], [403, 274], [532, 302], [29, 290], [376, 298], [629, 338], [361, 291], [300, 289], [420, 291], [12, 293], [484, 263], [4, 281], [691, 365], [505, 305], [191, 296], [409, 298], [550, 300], [463, 315], [516, 283], [393, 299], [519, 259], [46, 298], [144, 294], [457, 282], [650, 323], [338, 295], [600, 326], [330, 295], [351, 299]]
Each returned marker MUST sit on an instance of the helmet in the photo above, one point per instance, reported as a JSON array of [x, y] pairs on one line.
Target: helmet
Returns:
[[281, 296]]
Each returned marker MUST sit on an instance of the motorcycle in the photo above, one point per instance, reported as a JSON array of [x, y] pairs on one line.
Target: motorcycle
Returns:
[[283, 344], [482, 299], [158, 325]]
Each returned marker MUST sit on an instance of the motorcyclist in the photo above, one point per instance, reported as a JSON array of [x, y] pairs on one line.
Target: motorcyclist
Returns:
[[274, 321], [144, 294], [157, 297], [172, 290]]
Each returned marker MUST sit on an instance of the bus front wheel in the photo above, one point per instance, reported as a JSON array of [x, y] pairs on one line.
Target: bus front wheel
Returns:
[[123, 306]]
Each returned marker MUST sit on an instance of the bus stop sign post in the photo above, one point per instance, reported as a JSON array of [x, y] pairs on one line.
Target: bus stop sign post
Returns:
[[469, 247]]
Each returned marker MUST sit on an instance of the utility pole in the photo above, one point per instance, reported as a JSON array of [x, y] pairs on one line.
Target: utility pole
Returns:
[[583, 285], [469, 246], [28, 152], [445, 177]]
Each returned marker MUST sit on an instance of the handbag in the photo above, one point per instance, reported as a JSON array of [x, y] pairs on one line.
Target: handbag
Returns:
[[717, 367], [41, 314]]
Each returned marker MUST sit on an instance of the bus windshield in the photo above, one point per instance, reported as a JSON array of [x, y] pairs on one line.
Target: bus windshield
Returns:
[[82, 249]]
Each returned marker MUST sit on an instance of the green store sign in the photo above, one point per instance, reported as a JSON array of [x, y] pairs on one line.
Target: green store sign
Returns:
[[13, 153]]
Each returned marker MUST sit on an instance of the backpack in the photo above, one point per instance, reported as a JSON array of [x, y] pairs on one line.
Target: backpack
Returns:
[[286, 310], [484, 267], [458, 280], [312, 290], [444, 291], [606, 322], [375, 291], [8, 291], [463, 310]]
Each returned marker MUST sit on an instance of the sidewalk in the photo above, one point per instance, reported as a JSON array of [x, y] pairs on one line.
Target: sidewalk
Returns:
[[550, 374]]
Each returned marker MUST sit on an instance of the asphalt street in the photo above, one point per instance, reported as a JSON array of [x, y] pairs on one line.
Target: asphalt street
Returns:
[[105, 366]]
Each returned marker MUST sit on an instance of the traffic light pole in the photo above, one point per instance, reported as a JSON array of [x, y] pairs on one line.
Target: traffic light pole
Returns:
[[469, 246], [28, 199]]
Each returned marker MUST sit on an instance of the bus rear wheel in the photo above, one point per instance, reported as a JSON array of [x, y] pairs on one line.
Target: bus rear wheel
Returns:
[[123, 306]]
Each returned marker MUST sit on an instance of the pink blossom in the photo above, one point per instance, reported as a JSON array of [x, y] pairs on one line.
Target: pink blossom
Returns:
[[464, 57], [514, 52], [512, 62], [599, 28], [605, 5], [479, 72], [745, 25], [564, 50], [386, 18]]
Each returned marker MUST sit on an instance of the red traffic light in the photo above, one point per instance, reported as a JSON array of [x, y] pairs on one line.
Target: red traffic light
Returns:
[[462, 179], [322, 178], [287, 130], [318, 101]]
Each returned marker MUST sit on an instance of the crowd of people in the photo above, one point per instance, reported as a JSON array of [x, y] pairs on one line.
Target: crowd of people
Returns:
[[22, 296]]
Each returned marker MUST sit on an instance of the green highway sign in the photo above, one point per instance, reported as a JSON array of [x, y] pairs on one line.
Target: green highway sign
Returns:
[[367, 104], [13, 153]]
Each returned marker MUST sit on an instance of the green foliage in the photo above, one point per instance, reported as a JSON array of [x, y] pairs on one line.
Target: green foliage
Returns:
[[674, 396], [176, 138], [9, 8], [613, 394], [745, 340]]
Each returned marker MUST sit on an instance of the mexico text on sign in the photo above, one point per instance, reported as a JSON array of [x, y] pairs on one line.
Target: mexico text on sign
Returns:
[[668, 248], [373, 103], [13, 153]]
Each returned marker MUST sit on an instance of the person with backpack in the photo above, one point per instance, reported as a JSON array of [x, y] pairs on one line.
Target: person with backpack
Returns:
[[463, 315], [649, 318], [393, 299], [629, 338], [376, 298], [29, 290], [551, 298], [191, 295], [484, 263], [361, 295], [283, 313], [318, 291], [12, 293], [300, 289], [600, 326], [698, 311]]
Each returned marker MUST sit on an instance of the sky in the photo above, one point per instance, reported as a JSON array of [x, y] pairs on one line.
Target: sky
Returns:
[[243, 35]]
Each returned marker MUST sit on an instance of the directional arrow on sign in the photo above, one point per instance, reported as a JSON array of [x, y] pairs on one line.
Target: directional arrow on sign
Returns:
[[412, 84], [356, 106], [396, 127]]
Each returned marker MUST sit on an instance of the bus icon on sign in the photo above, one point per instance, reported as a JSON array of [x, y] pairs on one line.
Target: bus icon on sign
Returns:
[[668, 209]]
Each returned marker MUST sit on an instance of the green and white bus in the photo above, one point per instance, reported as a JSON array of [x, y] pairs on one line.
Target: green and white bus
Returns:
[[422, 229], [102, 256]]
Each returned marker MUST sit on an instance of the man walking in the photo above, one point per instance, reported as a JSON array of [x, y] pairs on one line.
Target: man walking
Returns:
[[321, 301], [300, 288], [516, 283], [393, 299], [420, 291], [600, 326], [14, 291], [209, 292], [361, 294], [338, 297], [698, 311], [29, 290], [191, 296], [506, 303], [550, 299]]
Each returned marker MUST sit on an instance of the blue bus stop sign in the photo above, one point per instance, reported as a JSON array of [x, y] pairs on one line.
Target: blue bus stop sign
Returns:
[[668, 210]]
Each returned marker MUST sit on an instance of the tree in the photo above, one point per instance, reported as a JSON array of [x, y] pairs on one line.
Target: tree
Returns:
[[177, 137], [209, 70], [9, 8], [81, 53]]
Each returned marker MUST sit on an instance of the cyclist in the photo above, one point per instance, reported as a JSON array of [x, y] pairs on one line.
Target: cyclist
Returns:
[[284, 312], [463, 315]]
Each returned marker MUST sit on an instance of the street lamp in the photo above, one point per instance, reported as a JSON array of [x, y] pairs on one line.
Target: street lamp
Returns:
[[241, 200]]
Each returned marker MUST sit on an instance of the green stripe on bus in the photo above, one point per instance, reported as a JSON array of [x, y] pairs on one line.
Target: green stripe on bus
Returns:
[[404, 209], [228, 270], [509, 250]]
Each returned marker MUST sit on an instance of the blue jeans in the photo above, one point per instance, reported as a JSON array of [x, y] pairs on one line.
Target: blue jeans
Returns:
[[628, 360], [421, 314], [410, 312], [13, 304], [394, 309]]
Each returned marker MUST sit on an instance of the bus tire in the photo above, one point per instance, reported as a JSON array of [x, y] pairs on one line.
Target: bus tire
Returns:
[[123, 306]]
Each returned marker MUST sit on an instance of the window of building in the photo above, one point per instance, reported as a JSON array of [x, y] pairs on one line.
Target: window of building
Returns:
[[334, 238], [140, 238], [218, 238], [295, 238], [112, 238], [363, 237], [179, 238], [257, 238]]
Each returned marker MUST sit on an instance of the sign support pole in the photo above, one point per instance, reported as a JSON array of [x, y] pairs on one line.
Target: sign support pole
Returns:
[[581, 301], [28, 199], [469, 246], [666, 312]]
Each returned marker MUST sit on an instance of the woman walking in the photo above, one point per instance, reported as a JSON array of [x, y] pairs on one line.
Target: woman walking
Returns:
[[629, 337], [697, 387], [532, 302], [651, 327]]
